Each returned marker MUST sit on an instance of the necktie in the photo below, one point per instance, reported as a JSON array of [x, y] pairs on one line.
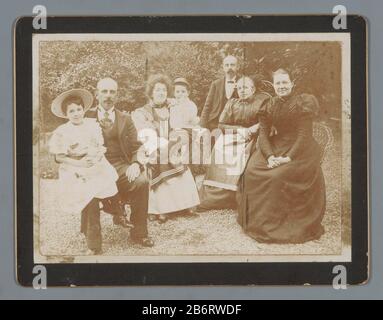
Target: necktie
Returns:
[[106, 122], [230, 87]]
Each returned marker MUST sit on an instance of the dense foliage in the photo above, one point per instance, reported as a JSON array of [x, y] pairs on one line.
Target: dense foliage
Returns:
[[315, 67]]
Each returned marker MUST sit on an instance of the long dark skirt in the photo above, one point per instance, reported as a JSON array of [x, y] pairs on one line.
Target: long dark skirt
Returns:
[[285, 204]]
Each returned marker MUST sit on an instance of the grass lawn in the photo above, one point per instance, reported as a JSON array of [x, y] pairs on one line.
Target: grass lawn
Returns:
[[214, 232]]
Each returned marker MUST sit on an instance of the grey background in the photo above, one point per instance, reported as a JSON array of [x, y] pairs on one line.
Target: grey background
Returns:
[[371, 9]]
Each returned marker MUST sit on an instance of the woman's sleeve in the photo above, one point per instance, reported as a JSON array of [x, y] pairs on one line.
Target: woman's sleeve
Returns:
[[264, 130], [226, 120], [307, 108], [264, 133], [57, 143], [146, 138], [227, 114], [140, 121], [304, 131]]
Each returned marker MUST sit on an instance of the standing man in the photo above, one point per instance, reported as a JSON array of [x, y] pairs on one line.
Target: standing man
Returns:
[[120, 140], [221, 90]]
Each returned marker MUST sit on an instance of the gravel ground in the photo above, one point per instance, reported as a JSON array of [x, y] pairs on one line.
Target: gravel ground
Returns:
[[212, 233]]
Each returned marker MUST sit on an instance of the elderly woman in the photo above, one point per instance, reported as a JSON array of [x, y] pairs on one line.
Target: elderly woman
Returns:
[[172, 186], [282, 191], [239, 123]]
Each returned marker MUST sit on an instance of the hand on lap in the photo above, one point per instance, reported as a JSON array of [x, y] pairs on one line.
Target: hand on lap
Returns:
[[133, 172]]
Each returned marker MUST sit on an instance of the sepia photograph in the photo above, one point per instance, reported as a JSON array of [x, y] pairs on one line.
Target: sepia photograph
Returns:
[[189, 158], [186, 147]]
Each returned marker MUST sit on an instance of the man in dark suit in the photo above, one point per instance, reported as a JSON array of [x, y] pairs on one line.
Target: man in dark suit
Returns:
[[120, 140], [221, 90]]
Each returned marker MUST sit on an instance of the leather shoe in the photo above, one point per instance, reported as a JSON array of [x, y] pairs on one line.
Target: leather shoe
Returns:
[[144, 242], [93, 252], [107, 206], [152, 217], [200, 209], [162, 218]]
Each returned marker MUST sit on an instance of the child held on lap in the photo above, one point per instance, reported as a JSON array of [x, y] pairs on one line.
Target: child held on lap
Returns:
[[183, 112], [84, 172], [183, 115]]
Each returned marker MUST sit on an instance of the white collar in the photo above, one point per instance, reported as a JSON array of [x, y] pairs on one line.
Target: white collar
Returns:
[[102, 110], [226, 79]]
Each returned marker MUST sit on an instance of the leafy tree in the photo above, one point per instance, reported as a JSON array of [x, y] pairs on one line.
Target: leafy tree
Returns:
[[315, 67]]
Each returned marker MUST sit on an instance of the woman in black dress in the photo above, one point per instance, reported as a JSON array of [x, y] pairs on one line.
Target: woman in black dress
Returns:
[[239, 124], [282, 191]]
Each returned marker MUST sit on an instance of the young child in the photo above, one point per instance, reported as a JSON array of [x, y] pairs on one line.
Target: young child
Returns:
[[183, 111], [85, 175], [183, 115]]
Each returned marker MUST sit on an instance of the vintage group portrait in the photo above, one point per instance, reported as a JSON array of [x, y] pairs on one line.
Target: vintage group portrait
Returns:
[[192, 147]]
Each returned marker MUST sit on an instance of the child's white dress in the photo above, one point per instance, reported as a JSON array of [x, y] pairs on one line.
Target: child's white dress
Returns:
[[79, 185]]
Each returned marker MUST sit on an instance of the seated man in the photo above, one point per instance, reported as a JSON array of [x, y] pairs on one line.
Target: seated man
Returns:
[[120, 140]]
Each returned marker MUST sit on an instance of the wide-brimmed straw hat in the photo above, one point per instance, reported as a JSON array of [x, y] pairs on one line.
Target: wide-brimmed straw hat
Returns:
[[85, 95]]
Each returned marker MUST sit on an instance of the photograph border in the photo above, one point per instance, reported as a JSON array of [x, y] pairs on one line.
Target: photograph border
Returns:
[[233, 273]]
